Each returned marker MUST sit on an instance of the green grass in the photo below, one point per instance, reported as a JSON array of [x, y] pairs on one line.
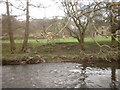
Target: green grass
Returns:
[[37, 45], [43, 47], [88, 39], [98, 39]]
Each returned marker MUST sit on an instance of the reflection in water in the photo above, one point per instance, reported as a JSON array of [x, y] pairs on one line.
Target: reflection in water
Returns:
[[113, 77], [114, 82], [83, 73], [61, 75]]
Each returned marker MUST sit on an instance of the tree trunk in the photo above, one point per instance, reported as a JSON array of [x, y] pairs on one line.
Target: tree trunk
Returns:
[[10, 32], [81, 42], [113, 41], [82, 38], [113, 31], [25, 42]]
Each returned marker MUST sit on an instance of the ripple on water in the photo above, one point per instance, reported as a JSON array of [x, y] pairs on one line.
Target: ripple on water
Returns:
[[71, 75]]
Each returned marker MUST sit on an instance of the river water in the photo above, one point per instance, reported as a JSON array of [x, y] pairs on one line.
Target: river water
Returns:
[[61, 75]]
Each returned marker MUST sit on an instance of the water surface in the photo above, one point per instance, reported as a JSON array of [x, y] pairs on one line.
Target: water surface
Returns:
[[61, 75]]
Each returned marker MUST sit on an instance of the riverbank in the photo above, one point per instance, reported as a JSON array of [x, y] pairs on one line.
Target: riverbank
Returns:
[[59, 52], [33, 60]]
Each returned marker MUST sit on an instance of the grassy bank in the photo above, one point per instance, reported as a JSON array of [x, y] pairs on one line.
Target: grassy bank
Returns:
[[56, 50]]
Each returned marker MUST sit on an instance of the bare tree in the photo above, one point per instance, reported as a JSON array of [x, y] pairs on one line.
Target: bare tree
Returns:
[[25, 42], [75, 11], [114, 20], [112, 9], [12, 43]]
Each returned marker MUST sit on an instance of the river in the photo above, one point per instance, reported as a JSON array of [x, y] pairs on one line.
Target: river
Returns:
[[61, 75]]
